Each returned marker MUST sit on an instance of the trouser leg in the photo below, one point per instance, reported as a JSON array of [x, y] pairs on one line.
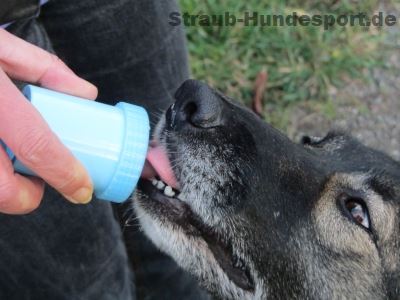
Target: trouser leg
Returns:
[[125, 47], [128, 49]]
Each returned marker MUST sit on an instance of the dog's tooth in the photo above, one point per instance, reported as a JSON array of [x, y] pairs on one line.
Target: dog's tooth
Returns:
[[168, 191], [160, 185], [154, 182]]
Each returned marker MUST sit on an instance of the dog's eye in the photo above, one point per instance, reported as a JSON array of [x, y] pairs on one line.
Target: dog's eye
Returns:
[[358, 211]]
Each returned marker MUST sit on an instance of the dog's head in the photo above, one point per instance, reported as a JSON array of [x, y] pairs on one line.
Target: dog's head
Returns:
[[252, 214]]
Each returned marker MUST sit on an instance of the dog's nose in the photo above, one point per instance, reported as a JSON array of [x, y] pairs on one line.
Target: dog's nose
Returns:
[[196, 104]]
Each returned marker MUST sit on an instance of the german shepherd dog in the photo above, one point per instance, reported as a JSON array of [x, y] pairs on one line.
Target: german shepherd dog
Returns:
[[253, 215]]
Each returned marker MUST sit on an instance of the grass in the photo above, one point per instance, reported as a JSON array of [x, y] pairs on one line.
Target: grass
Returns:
[[302, 62]]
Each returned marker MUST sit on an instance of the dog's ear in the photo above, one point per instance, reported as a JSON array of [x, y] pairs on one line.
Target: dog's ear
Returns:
[[310, 140], [331, 136]]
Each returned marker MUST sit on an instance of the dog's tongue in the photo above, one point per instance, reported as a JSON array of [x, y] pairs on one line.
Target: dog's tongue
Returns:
[[157, 163]]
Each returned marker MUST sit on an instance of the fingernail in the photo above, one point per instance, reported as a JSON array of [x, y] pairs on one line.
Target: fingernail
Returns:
[[81, 196]]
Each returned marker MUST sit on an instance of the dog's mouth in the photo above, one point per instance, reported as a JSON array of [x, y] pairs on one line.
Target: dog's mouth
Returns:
[[165, 201]]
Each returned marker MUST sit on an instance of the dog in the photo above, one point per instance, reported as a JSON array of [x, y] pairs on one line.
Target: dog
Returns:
[[253, 215]]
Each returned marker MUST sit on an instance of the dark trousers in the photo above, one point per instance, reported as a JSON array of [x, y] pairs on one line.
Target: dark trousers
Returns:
[[63, 251]]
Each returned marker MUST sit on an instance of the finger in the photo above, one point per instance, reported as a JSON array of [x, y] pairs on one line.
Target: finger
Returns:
[[24, 61], [26, 133], [18, 194]]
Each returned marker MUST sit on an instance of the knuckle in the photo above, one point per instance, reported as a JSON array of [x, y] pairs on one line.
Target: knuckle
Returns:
[[35, 147], [54, 60], [70, 182]]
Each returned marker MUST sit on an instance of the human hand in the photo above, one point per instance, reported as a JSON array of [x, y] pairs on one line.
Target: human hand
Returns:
[[25, 132]]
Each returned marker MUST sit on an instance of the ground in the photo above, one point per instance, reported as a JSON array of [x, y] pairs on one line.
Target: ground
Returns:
[[368, 110], [317, 80]]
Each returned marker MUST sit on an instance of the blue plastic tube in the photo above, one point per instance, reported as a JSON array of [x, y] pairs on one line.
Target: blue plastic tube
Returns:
[[110, 141]]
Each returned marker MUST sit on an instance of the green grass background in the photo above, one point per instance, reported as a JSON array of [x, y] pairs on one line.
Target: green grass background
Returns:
[[302, 63]]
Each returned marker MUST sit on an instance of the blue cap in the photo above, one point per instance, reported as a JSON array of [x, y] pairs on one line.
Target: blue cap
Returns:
[[110, 141], [132, 156]]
